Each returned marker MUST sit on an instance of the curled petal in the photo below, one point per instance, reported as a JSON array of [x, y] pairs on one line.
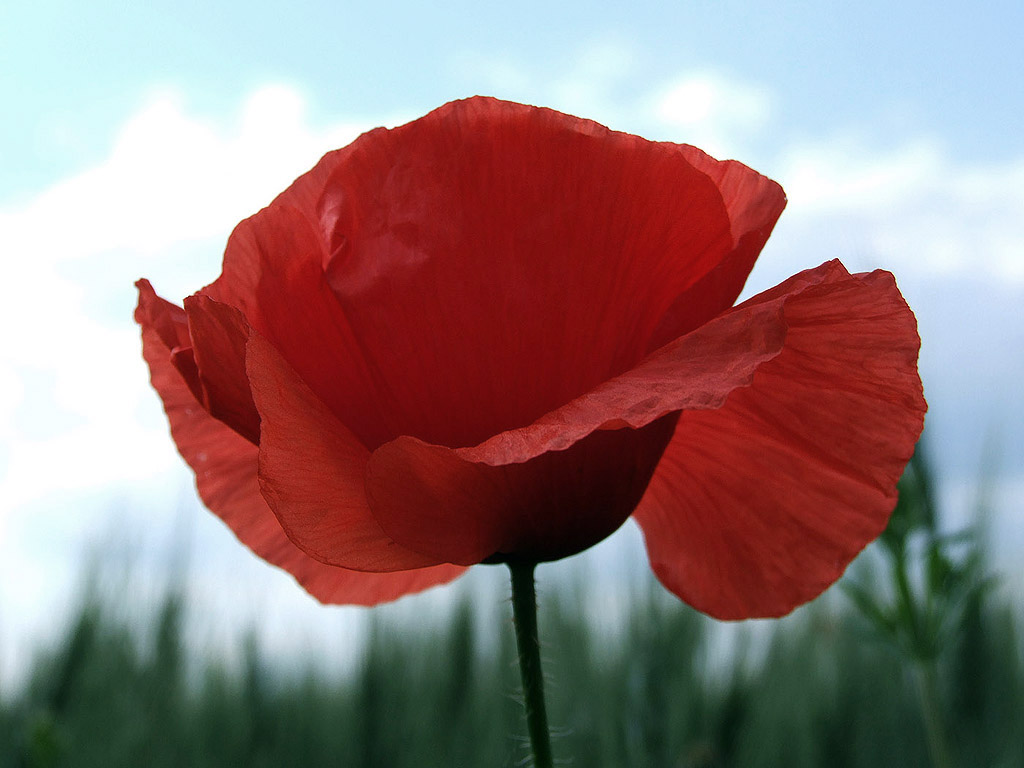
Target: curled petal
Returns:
[[168, 324], [759, 505], [311, 470], [219, 333], [438, 501], [225, 468], [697, 371], [304, 193], [273, 275], [754, 203], [165, 322]]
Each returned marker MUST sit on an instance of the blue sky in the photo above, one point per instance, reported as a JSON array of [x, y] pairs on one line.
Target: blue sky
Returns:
[[71, 72], [134, 136]]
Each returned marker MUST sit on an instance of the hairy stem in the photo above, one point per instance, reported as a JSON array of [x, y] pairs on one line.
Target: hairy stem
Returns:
[[524, 609]]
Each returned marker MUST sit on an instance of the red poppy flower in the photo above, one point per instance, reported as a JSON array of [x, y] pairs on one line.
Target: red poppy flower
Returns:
[[499, 331]]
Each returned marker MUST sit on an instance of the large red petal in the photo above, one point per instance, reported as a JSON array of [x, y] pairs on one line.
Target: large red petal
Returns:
[[311, 472], [572, 477], [497, 260], [759, 505], [225, 466], [754, 203], [491, 261]]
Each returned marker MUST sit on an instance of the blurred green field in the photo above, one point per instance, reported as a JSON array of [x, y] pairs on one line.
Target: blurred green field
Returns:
[[835, 685]]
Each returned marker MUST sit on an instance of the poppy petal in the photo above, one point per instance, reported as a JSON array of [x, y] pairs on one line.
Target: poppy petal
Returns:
[[311, 470], [405, 274], [570, 479], [759, 505], [219, 333], [170, 325], [483, 298], [696, 371], [273, 275], [225, 466], [304, 193], [434, 500], [754, 203]]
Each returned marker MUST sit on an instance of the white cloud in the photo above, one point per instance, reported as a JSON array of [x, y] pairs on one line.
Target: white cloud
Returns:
[[592, 83], [490, 75], [841, 174], [711, 111], [586, 87], [161, 205], [79, 425], [174, 177], [702, 107], [913, 208]]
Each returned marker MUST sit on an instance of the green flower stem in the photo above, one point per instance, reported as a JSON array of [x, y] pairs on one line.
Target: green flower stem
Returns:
[[524, 609], [938, 746]]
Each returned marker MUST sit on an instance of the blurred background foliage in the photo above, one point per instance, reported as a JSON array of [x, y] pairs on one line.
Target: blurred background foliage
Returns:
[[920, 664]]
